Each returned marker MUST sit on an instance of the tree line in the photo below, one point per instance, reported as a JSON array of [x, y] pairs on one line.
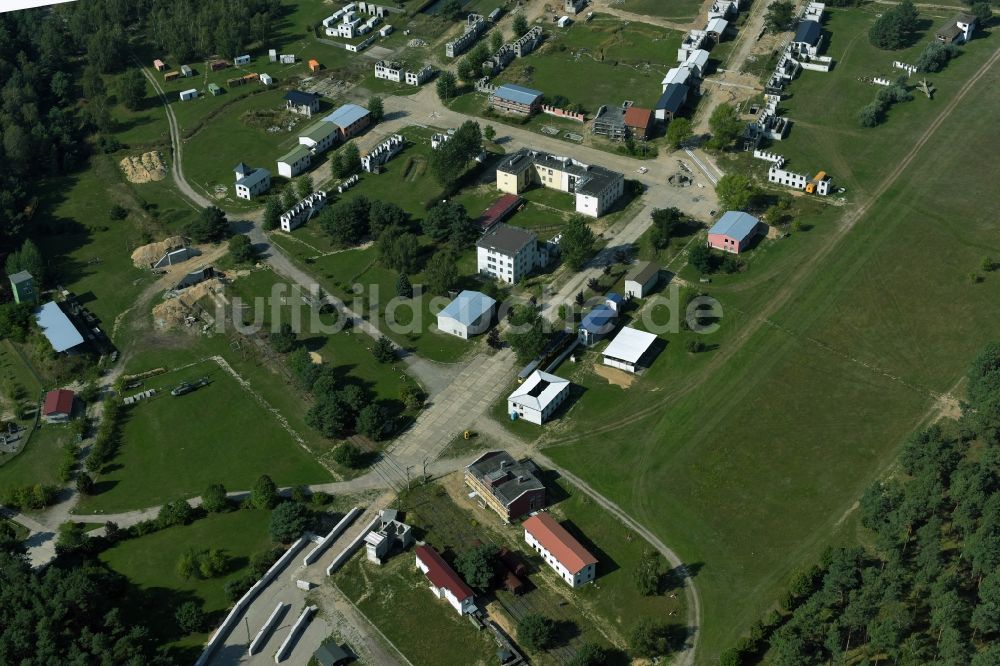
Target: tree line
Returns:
[[927, 588]]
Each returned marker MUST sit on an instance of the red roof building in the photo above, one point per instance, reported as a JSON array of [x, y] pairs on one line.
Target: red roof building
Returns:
[[559, 549], [445, 583], [639, 121], [58, 405], [501, 209]]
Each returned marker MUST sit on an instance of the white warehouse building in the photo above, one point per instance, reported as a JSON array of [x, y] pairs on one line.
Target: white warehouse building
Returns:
[[538, 397], [469, 314]]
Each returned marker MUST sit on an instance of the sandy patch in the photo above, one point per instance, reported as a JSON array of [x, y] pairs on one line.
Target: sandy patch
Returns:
[[614, 376], [315, 357], [144, 168], [179, 312], [145, 255]]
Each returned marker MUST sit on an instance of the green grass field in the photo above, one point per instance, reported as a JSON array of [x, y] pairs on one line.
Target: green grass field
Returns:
[[749, 458], [39, 461], [149, 563], [680, 11], [174, 447]]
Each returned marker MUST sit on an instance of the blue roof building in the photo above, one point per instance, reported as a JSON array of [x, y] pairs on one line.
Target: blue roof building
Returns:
[[350, 118], [57, 328], [808, 32], [513, 98], [733, 232], [671, 101], [597, 324], [469, 314]]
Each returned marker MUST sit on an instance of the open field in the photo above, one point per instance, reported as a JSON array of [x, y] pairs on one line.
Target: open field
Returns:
[[174, 447], [673, 10], [750, 457], [39, 461], [824, 107], [396, 598], [150, 564]]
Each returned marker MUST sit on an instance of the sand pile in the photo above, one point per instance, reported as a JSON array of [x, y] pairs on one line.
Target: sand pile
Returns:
[[173, 312], [145, 255], [144, 168]]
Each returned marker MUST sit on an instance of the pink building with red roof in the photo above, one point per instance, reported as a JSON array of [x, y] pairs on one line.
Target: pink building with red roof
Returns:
[[559, 549], [445, 583], [58, 406]]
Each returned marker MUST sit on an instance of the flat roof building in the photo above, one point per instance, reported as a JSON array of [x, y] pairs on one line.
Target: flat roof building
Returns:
[[469, 314], [57, 328]]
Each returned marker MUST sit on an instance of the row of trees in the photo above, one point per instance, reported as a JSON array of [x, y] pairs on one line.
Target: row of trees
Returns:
[[874, 113], [896, 28], [928, 589]]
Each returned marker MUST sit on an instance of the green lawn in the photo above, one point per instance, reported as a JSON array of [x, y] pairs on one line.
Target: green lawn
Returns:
[[610, 39], [748, 458], [396, 598], [39, 461], [174, 447], [156, 591]]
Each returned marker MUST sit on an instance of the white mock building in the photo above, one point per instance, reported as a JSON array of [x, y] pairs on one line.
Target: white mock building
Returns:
[[295, 162], [641, 279], [595, 188], [251, 182], [627, 348], [538, 397], [469, 314], [509, 253], [445, 583], [564, 554]]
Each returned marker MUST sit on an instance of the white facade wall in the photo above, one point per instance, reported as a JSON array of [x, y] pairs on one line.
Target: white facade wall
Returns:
[[461, 607], [585, 575], [262, 185], [292, 169], [595, 206], [634, 289], [509, 269]]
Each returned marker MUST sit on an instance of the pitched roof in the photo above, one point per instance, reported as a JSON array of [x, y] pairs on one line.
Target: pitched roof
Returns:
[[347, 115], [506, 477], [506, 239], [441, 574], [717, 25], [468, 307], [295, 154], [630, 344], [642, 272], [555, 539], [243, 169], [638, 117], [299, 98], [57, 327], [673, 97], [254, 177], [58, 402], [539, 390], [20, 276], [319, 131], [517, 94], [599, 320], [500, 209], [697, 58], [808, 32], [735, 224]]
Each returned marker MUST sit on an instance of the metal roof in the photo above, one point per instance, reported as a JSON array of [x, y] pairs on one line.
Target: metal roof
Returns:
[[254, 177], [243, 169], [717, 25], [638, 117], [735, 224], [697, 58], [808, 32], [294, 155], [299, 98], [347, 115], [508, 478], [673, 97], [441, 574], [59, 401], [599, 320], [19, 277], [630, 344], [319, 131], [678, 75], [539, 390], [642, 272], [468, 307], [517, 94], [57, 327]]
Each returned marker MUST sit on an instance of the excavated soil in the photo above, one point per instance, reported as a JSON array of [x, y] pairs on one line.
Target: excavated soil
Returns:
[[145, 255], [144, 168]]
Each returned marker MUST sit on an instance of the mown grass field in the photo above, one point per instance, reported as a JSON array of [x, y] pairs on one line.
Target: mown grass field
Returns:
[[749, 458], [150, 565], [39, 461], [174, 447], [397, 599]]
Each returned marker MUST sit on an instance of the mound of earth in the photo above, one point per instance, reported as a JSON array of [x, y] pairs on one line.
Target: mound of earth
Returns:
[[144, 168], [145, 255]]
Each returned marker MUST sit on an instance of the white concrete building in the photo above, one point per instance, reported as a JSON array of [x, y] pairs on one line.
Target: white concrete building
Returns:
[[320, 137], [445, 583], [298, 214], [186, 95], [469, 314], [508, 253], [627, 348], [538, 397], [641, 279], [294, 162], [563, 553], [819, 185], [595, 188], [251, 182]]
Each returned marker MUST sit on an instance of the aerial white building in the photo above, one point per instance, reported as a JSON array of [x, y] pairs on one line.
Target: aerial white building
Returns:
[[559, 549], [538, 397], [509, 253], [595, 188], [469, 314], [627, 348], [251, 182]]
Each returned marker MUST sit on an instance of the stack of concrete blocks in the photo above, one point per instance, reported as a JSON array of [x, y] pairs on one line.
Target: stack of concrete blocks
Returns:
[[302, 211], [528, 42], [909, 69], [774, 158], [389, 534], [475, 25], [382, 153]]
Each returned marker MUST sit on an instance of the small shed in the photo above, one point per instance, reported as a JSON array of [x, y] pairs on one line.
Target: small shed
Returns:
[[159, 65], [314, 65], [216, 65], [188, 94], [385, 30], [215, 89], [241, 60], [563, 21], [171, 76], [641, 279], [186, 70], [331, 654], [266, 79]]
